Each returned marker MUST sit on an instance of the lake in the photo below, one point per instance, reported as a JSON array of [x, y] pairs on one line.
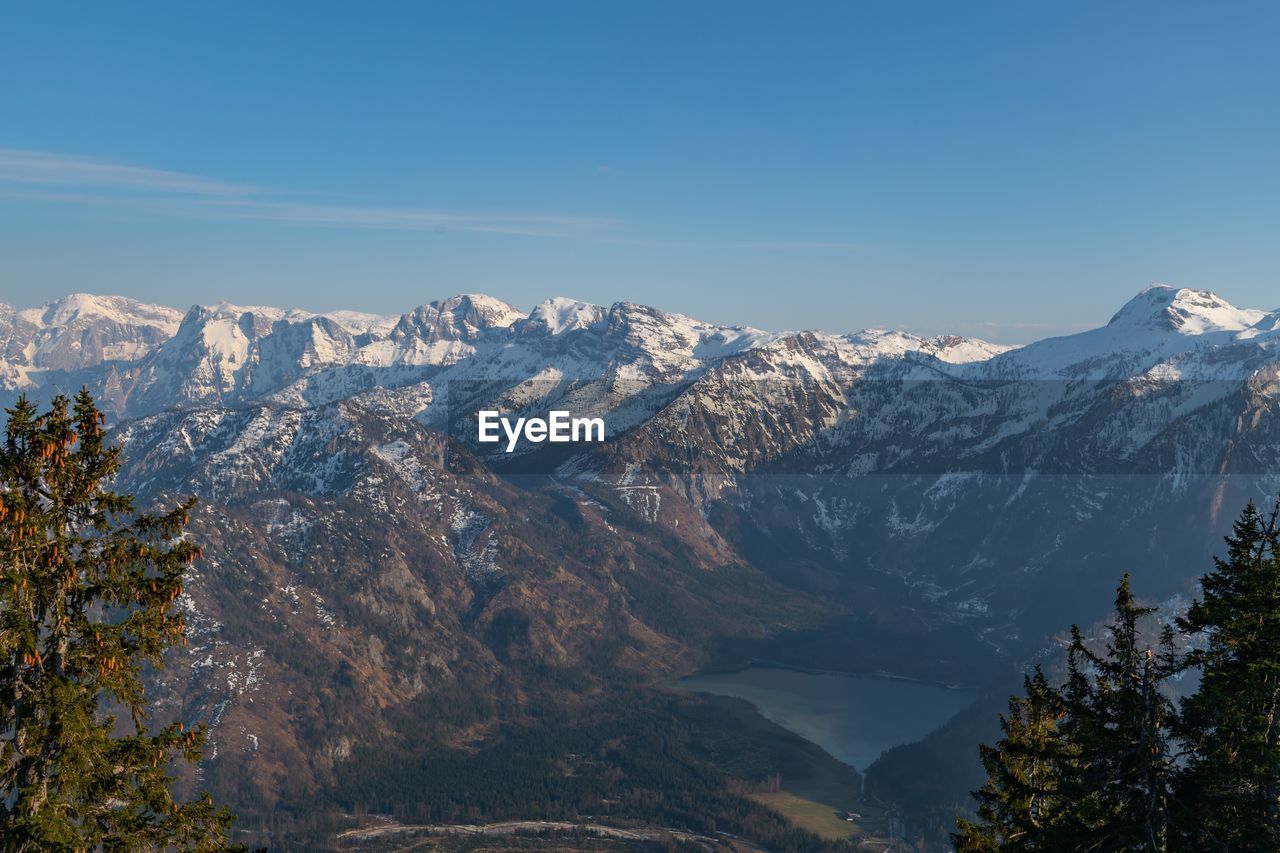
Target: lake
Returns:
[[854, 718]]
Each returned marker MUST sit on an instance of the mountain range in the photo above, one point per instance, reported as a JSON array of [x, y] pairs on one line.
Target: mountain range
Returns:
[[930, 507]]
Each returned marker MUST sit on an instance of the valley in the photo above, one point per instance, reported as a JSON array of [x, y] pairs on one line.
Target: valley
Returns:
[[382, 596], [853, 718]]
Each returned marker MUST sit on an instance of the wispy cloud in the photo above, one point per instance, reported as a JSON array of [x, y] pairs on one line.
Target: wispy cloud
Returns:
[[44, 168], [68, 179], [744, 245], [409, 219], [44, 176]]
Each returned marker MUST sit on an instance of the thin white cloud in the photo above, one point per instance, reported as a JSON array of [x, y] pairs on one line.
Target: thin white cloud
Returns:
[[68, 179], [745, 245], [44, 168], [52, 177], [410, 219]]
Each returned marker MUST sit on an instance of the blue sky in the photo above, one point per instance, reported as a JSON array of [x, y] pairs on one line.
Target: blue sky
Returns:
[[1007, 170]]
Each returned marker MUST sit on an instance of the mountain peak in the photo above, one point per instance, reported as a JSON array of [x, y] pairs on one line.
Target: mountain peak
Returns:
[[115, 309], [562, 314], [480, 310], [1183, 310], [82, 330], [465, 317]]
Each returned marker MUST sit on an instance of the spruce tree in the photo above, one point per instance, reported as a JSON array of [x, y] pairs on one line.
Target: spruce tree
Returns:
[[1081, 731], [1118, 785], [1087, 766], [1021, 797], [87, 603], [1117, 722], [1228, 792]]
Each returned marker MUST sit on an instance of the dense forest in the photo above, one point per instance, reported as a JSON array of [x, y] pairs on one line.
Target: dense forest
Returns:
[[637, 758]]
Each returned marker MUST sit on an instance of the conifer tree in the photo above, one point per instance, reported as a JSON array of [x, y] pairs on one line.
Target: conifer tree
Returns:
[[1099, 748], [1228, 792], [1118, 722], [1079, 729], [87, 601], [1118, 785], [1021, 797]]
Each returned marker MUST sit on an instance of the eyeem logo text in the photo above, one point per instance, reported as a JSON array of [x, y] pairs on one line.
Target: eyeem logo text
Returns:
[[558, 426]]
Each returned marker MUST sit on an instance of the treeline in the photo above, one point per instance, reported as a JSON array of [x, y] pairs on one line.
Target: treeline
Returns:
[[623, 760], [1109, 760]]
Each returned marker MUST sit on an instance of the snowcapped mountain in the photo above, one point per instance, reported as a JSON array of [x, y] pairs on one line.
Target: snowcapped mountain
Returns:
[[757, 487], [1159, 324], [232, 355], [1007, 490], [76, 332], [143, 359]]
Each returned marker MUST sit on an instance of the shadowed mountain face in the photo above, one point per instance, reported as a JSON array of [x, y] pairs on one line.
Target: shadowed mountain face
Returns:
[[864, 502]]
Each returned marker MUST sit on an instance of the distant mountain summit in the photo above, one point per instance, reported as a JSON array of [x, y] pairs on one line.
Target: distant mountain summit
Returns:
[[79, 331], [1189, 312], [143, 358]]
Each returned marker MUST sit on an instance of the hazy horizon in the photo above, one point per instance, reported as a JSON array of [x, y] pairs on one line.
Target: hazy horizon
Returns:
[[1021, 334]]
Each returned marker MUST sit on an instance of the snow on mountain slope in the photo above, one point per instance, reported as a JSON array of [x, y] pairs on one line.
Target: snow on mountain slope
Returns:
[[80, 331], [113, 309], [1158, 324], [1188, 312], [218, 352], [361, 323], [621, 363], [870, 344], [880, 401], [897, 479], [231, 354], [955, 349], [928, 457], [148, 359], [753, 410], [448, 331], [560, 314], [1269, 323], [228, 353]]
